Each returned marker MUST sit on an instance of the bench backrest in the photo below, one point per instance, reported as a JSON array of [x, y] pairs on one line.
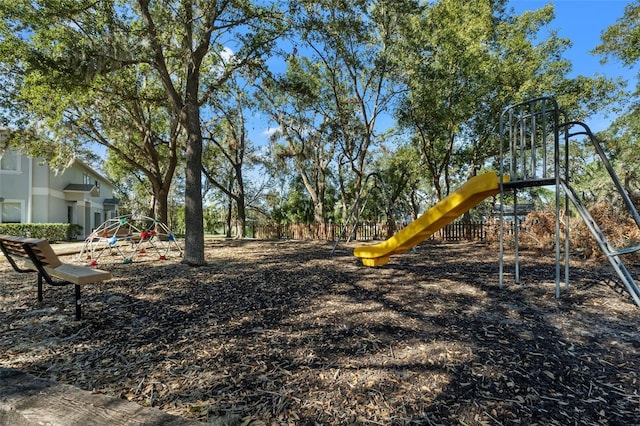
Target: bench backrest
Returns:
[[13, 245], [40, 247], [43, 252]]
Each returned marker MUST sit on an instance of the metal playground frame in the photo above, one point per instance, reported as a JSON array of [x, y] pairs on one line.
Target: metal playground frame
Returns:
[[534, 151], [129, 237]]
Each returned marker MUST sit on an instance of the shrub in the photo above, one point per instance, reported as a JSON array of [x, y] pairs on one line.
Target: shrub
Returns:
[[616, 224], [537, 230], [51, 231]]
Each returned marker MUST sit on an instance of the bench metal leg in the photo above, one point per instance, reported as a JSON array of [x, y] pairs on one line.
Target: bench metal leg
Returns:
[[40, 298], [78, 303]]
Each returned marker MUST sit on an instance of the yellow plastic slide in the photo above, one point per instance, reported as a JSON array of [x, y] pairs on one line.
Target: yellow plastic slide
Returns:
[[463, 199]]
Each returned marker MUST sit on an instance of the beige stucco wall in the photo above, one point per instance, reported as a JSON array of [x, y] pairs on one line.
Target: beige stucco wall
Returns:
[[41, 194]]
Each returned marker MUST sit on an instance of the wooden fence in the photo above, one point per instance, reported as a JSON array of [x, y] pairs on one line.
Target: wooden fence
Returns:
[[456, 231]]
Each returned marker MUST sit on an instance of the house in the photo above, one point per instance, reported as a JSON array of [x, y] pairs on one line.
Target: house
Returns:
[[31, 192]]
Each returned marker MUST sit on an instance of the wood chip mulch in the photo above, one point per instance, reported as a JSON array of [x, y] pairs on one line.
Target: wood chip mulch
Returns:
[[287, 333]]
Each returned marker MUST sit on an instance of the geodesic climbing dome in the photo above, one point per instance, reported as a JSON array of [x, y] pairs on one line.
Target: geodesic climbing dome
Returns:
[[128, 238]]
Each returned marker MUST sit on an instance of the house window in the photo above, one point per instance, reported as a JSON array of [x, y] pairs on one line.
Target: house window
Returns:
[[86, 179], [97, 184], [9, 161], [11, 212]]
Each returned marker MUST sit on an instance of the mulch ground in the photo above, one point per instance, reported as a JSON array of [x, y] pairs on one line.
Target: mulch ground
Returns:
[[287, 333]]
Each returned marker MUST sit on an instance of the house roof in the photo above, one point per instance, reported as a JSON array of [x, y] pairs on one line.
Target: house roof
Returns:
[[83, 188]]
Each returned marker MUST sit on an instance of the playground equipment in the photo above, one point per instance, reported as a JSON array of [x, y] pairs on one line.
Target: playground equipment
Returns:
[[537, 137], [446, 211], [534, 152], [129, 237]]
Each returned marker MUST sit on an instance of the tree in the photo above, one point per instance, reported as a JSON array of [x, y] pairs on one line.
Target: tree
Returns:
[[351, 42], [136, 127], [622, 39], [203, 31], [186, 45], [403, 179], [134, 190], [463, 63], [620, 141], [300, 103], [444, 54], [227, 148], [624, 147], [398, 180]]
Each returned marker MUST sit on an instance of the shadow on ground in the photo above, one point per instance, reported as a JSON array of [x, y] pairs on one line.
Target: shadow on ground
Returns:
[[285, 332]]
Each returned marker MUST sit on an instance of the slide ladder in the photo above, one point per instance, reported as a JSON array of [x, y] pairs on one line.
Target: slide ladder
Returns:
[[612, 254]]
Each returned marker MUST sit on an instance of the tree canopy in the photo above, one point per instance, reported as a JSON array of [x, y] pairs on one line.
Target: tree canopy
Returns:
[[72, 51], [409, 89]]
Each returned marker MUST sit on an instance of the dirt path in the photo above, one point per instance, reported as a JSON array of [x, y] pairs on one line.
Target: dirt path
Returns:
[[286, 333]]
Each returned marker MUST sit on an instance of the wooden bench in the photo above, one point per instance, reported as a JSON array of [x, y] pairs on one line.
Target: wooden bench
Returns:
[[36, 255]]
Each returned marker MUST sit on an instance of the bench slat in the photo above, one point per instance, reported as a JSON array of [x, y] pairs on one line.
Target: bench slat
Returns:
[[78, 274], [44, 252], [12, 247]]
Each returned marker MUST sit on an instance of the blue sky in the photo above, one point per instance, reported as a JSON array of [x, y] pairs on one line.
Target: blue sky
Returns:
[[583, 22]]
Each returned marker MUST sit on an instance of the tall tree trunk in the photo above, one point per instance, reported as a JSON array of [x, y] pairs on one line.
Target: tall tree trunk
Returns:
[[318, 202], [161, 213], [240, 203], [194, 228], [315, 189], [241, 219], [229, 216], [415, 205]]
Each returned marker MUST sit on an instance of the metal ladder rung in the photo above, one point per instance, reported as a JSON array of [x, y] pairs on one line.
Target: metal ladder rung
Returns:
[[626, 250]]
